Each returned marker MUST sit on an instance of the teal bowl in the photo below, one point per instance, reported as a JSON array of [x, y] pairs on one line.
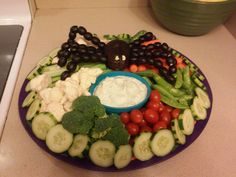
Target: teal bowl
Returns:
[[110, 109], [192, 17]]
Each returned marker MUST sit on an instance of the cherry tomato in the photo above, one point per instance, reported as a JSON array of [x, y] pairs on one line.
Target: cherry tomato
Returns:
[[165, 117], [175, 113], [133, 129], [124, 117], [159, 125], [146, 129], [169, 108], [136, 116], [143, 110], [161, 107], [155, 96], [143, 123], [151, 116], [153, 105]]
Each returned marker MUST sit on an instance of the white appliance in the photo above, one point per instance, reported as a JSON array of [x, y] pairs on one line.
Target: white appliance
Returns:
[[15, 24]]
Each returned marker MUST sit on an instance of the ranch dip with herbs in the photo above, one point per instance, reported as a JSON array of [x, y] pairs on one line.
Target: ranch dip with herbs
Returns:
[[121, 91]]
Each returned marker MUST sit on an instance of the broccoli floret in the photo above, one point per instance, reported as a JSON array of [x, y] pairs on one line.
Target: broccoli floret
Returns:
[[78, 122], [89, 104], [118, 136]]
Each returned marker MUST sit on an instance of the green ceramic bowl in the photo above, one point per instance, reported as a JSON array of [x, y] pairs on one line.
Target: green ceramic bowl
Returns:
[[192, 17]]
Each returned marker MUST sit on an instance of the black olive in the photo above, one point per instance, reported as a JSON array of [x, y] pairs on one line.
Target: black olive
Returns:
[[74, 29], [150, 61], [66, 54], [136, 42], [99, 53], [134, 54], [164, 54], [75, 58], [142, 39], [64, 75], [60, 53], [157, 45], [172, 69], [170, 79], [148, 54], [72, 35], [143, 47], [62, 61], [158, 63], [71, 66], [94, 58], [141, 53], [165, 46], [103, 59], [134, 49], [82, 50], [148, 36], [171, 61], [91, 50], [101, 45], [95, 40], [156, 53], [88, 36], [131, 45], [142, 60], [150, 47], [70, 41], [133, 60], [82, 30], [65, 46], [73, 49], [74, 44], [169, 55], [85, 58], [82, 46], [163, 71]]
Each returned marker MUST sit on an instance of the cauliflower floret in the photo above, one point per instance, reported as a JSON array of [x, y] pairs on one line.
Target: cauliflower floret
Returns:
[[51, 95], [67, 106], [43, 107], [40, 82], [56, 109]]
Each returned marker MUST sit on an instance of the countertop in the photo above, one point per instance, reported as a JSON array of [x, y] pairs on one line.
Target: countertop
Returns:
[[213, 154]]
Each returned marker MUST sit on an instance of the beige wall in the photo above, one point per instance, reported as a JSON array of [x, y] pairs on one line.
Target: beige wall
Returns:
[[89, 3], [231, 25]]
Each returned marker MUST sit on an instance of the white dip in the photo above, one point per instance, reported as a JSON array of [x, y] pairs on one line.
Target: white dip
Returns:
[[121, 91]]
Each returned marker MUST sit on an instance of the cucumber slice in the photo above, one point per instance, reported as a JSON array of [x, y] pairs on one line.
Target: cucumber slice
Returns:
[[186, 122], [123, 156], [54, 52], [79, 144], [35, 72], [163, 142], [29, 99], [141, 149], [102, 153], [41, 124], [179, 136], [33, 109], [27, 87], [203, 97], [45, 61], [198, 110], [58, 139]]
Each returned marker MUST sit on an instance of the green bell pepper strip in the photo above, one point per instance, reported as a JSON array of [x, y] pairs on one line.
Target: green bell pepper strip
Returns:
[[179, 79]]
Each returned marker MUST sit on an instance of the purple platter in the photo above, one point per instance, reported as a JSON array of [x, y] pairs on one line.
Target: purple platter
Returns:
[[136, 164]]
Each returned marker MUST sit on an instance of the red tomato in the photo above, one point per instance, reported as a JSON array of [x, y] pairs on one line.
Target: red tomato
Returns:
[[133, 129], [155, 96], [159, 125], [169, 108], [136, 116], [146, 129], [151, 116], [142, 110], [153, 105], [143, 123], [124, 117], [161, 107], [175, 113], [165, 117]]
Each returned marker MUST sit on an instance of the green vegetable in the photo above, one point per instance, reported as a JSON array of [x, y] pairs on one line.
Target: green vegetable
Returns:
[[186, 78], [179, 79], [138, 34], [163, 91], [173, 103], [78, 122], [118, 136]]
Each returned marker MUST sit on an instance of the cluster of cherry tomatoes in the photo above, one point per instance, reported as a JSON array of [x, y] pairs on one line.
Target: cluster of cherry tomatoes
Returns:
[[154, 116]]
